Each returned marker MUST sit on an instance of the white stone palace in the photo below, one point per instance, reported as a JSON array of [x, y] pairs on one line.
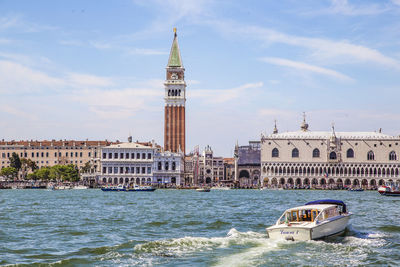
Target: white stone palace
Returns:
[[329, 159], [141, 164]]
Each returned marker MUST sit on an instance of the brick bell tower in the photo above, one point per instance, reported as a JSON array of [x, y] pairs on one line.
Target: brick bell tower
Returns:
[[175, 98]]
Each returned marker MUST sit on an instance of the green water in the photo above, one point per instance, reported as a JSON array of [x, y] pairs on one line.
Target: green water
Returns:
[[186, 228]]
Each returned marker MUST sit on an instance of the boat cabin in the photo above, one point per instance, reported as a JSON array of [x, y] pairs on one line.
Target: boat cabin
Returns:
[[309, 213]]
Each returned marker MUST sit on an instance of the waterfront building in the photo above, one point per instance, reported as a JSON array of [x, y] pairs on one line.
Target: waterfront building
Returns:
[[139, 163], [306, 158], [229, 171], [50, 153], [168, 168], [175, 98], [211, 168], [248, 164], [204, 168]]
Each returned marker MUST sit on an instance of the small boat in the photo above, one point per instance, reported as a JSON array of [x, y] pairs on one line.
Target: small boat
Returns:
[[315, 220], [138, 188], [113, 188], [355, 189], [390, 189], [220, 188], [203, 189], [80, 187]]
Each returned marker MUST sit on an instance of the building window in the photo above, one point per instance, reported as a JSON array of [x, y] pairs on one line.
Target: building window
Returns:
[[126, 169], [173, 166], [143, 155], [132, 169], [55, 154], [315, 153], [109, 169], [148, 170], [350, 153], [370, 155], [121, 155], [295, 153], [132, 155], [332, 155], [109, 155], [104, 169], [89, 154], [159, 166], [143, 169], [127, 155], [138, 155], [115, 155], [166, 166], [47, 154], [76, 154], [275, 153], [392, 156], [33, 154], [104, 155], [115, 169], [149, 155], [138, 170], [80, 154], [121, 169]]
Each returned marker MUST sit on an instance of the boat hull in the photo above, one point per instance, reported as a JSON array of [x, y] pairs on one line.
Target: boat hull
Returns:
[[310, 232]]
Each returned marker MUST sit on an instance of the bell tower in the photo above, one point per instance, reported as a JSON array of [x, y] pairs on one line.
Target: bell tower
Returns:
[[175, 98]]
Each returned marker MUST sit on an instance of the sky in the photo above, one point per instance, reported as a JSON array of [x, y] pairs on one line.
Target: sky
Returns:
[[95, 69]]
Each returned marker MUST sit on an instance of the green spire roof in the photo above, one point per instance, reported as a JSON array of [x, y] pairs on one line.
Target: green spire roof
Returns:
[[175, 56]]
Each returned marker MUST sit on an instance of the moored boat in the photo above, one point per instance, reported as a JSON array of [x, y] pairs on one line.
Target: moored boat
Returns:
[[390, 189], [314, 220], [355, 190], [138, 188], [113, 188], [203, 189]]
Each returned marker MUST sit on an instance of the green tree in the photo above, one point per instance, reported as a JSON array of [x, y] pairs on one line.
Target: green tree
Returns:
[[32, 165], [15, 161], [43, 173], [9, 172], [64, 173], [86, 168], [32, 176]]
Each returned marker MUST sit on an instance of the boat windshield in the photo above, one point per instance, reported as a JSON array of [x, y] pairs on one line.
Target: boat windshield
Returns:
[[299, 216]]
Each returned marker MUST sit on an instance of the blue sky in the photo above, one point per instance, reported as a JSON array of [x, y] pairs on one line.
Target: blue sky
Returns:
[[95, 69]]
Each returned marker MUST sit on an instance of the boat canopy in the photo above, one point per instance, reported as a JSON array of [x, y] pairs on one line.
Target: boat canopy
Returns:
[[329, 201]]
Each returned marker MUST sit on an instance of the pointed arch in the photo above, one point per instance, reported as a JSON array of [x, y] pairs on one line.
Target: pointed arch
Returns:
[[275, 153]]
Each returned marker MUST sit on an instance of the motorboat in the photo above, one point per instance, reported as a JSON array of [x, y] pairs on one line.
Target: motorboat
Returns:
[[390, 189], [113, 188], [355, 190], [314, 220], [143, 188], [220, 188], [80, 187], [203, 189]]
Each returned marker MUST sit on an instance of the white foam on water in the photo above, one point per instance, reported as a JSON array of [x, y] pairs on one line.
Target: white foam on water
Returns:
[[251, 256], [177, 247]]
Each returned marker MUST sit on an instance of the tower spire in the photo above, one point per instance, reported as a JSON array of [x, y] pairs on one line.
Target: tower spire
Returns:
[[275, 129], [175, 60]]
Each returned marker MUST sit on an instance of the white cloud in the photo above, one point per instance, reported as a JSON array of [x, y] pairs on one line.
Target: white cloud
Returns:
[[17, 112], [321, 49], [396, 2], [16, 21], [218, 96], [304, 66], [344, 8], [15, 77], [82, 80]]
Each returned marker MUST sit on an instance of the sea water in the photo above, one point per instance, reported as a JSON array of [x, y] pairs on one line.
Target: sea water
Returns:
[[187, 228]]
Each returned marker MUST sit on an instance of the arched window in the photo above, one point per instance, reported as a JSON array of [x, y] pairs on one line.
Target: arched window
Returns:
[[370, 155], [173, 165], [295, 153], [392, 156], [179, 92], [159, 166], [169, 92], [275, 153], [350, 153], [166, 166], [332, 155], [315, 153]]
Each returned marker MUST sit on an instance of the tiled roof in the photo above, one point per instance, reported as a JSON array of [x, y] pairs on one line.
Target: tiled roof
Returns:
[[55, 143]]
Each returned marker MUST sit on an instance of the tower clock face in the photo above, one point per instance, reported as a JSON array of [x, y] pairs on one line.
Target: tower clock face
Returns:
[[174, 76]]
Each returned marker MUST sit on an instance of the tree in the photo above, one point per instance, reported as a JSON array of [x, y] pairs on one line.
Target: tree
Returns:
[[64, 173], [15, 161], [43, 173], [9, 172], [32, 165], [86, 168]]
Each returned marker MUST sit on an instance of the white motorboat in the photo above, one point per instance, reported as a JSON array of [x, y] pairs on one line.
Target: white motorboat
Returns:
[[314, 220], [203, 189], [80, 187]]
